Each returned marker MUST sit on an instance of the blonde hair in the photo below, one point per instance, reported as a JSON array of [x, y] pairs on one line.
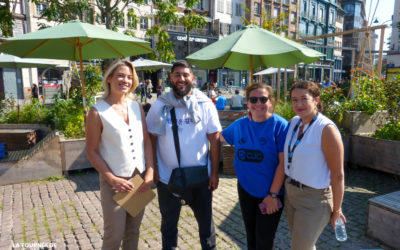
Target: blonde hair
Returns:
[[110, 71]]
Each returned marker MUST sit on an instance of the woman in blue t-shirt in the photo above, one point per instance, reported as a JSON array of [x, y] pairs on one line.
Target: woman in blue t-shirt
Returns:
[[258, 162]]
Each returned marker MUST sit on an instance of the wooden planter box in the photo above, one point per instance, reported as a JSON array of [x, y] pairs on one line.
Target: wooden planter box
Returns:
[[382, 155], [22, 136], [359, 122], [73, 154], [18, 139], [231, 115], [228, 153], [383, 219]]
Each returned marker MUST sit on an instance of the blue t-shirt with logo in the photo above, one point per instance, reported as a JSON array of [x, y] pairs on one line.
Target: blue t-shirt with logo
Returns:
[[257, 145]]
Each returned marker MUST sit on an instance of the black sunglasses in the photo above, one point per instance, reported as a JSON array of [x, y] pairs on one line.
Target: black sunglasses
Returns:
[[254, 99]]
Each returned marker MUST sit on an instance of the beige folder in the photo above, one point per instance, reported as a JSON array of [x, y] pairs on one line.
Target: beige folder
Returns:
[[134, 201]]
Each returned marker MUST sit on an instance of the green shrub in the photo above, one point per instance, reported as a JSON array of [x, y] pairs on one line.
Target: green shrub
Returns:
[[390, 131], [367, 104], [331, 99], [65, 115], [285, 110], [34, 112], [369, 93]]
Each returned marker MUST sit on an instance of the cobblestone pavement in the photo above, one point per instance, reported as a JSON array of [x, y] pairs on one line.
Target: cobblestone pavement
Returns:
[[67, 213]]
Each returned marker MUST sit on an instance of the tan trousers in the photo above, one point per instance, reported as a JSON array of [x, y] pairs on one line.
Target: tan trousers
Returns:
[[119, 226], [308, 211]]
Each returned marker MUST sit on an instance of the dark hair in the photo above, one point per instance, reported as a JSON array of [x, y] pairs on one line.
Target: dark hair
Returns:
[[181, 63], [268, 88], [236, 91], [311, 87]]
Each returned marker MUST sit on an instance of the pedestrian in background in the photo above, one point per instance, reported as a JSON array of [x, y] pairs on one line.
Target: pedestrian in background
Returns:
[[118, 146], [258, 162], [237, 101], [143, 91], [35, 91], [159, 88], [212, 94], [149, 88], [326, 83], [198, 132], [314, 168], [221, 101]]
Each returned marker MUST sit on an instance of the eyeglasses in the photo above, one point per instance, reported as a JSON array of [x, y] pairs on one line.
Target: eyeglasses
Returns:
[[254, 99]]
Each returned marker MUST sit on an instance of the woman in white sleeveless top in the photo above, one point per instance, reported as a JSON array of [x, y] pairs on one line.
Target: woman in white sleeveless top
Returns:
[[313, 152], [118, 146]]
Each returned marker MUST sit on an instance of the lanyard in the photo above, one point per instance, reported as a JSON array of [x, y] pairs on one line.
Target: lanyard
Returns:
[[291, 151]]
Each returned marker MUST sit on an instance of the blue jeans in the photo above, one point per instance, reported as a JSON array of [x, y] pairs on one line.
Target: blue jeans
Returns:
[[170, 208]]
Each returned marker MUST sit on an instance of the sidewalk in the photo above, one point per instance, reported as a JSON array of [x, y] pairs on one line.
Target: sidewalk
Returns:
[[68, 213]]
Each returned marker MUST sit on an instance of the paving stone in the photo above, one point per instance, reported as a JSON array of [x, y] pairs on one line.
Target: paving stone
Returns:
[[72, 211]]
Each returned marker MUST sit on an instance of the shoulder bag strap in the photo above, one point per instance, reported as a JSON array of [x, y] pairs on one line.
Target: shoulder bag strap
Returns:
[[176, 137]]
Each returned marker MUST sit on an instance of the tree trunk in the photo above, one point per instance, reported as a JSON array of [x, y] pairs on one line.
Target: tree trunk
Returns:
[[187, 42]]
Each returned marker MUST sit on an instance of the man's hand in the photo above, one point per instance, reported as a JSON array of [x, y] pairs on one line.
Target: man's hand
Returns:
[[156, 176], [213, 182], [148, 181], [146, 185]]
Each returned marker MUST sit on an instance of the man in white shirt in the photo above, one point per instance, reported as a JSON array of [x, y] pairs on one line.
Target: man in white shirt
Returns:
[[237, 101], [198, 127]]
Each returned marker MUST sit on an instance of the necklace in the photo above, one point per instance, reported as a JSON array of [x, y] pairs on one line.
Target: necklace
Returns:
[[121, 110]]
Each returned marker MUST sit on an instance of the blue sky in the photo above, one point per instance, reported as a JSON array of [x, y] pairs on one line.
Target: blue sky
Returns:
[[383, 12]]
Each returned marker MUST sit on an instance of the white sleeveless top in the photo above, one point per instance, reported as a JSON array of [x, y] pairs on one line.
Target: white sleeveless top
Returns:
[[121, 145], [308, 163]]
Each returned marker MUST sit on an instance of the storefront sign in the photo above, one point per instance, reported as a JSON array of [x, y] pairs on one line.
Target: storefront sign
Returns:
[[192, 39]]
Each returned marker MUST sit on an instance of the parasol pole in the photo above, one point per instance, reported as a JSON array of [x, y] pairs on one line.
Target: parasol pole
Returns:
[[251, 69], [82, 79]]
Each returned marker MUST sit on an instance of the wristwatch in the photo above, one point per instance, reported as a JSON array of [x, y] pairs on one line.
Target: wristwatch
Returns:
[[273, 195]]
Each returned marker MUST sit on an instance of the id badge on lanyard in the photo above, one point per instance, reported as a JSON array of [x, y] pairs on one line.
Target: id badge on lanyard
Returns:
[[291, 150]]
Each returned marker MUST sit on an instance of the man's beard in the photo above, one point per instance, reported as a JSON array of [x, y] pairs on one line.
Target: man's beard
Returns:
[[184, 92]]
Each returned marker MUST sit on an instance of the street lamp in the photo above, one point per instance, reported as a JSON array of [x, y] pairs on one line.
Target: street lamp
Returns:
[[377, 21]]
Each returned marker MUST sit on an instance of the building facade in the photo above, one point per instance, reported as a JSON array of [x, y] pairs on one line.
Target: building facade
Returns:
[[354, 18], [394, 50], [272, 9], [337, 53], [318, 17], [227, 17], [26, 16], [16, 77]]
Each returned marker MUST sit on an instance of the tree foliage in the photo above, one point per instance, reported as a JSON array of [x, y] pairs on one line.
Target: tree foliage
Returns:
[[275, 25], [6, 21]]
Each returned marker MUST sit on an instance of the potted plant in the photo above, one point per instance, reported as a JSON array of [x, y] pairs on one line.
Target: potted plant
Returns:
[[379, 151]]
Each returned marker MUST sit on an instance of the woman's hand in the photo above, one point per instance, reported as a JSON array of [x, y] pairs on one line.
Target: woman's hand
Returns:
[[272, 204], [120, 184], [335, 215]]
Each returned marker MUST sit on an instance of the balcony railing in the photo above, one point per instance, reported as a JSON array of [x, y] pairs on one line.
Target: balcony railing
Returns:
[[180, 28]]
